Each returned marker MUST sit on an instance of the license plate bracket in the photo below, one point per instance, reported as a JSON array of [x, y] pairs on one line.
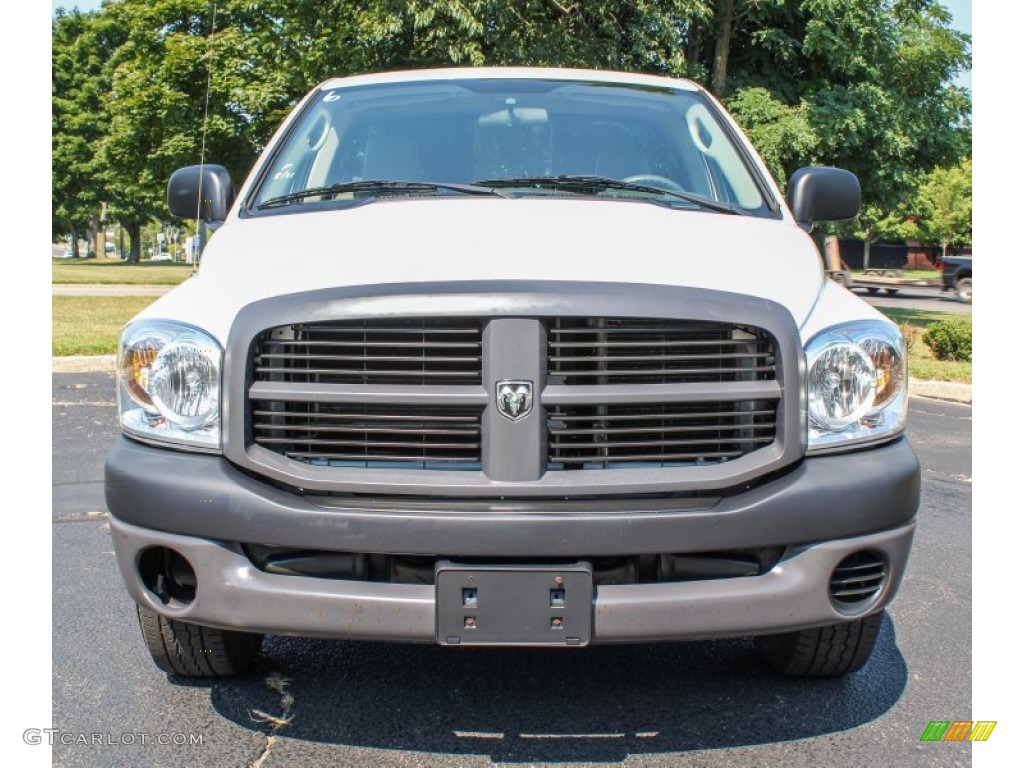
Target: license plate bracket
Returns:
[[529, 605]]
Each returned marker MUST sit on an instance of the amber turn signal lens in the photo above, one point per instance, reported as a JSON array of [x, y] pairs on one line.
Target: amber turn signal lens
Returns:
[[136, 359], [888, 370]]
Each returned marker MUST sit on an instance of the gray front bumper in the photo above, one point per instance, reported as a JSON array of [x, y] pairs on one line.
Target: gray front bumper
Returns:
[[821, 510], [819, 499], [233, 594]]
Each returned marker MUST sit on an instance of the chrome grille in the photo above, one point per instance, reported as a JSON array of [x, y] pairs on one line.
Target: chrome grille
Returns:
[[424, 351], [616, 350], [366, 435], [658, 435]]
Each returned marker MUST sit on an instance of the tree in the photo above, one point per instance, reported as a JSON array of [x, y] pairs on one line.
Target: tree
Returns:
[[874, 224], [863, 84], [783, 134], [946, 207], [81, 48], [159, 119], [614, 34]]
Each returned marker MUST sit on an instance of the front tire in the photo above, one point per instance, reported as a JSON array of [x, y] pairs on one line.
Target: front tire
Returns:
[[192, 650], [963, 290], [832, 651]]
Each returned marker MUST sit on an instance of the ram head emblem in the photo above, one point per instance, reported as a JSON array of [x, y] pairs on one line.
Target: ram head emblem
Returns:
[[515, 399]]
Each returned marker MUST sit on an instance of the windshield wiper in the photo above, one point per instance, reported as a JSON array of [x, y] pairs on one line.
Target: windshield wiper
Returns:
[[584, 183], [378, 186]]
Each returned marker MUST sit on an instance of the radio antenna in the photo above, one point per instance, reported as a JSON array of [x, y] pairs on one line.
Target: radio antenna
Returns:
[[200, 225]]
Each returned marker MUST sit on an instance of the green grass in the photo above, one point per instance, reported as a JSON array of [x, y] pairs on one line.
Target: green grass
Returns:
[[117, 272], [91, 325], [923, 364], [909, 274]]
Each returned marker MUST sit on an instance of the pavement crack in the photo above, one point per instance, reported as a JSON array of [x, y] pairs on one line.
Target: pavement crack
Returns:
[[275, 681]]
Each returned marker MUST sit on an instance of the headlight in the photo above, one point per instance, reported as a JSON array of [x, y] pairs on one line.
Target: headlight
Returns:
[[169, 385], [856, 385]]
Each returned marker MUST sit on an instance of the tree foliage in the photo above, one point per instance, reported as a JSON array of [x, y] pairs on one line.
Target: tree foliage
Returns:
[[945, 206], [783, 134], [82, 46], [862, 84]]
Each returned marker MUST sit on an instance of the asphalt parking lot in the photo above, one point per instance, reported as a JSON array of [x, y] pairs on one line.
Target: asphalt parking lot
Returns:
[[356, 704]]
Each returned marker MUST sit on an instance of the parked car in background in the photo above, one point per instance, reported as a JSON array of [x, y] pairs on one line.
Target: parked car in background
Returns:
[[163, 256], [956, 276]]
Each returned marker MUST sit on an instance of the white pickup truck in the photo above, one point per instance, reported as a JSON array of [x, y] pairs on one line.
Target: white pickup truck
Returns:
[[511, 357]]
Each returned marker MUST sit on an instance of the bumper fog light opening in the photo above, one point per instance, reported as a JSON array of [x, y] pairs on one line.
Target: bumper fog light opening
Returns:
[[167, 576], [857, 581]]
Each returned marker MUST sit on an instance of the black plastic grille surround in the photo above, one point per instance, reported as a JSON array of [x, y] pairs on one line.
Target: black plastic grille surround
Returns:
[[616, 350], [602, 437]]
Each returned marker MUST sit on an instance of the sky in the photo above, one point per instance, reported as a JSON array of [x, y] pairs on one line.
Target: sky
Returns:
[[961, 10]]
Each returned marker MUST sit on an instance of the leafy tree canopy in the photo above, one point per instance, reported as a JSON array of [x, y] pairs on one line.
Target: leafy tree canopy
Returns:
[[862, 84]]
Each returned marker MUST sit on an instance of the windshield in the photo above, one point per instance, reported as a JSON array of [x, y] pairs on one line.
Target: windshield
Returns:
[[510, 138]]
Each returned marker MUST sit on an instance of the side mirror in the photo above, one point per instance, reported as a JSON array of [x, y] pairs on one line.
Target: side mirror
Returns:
[[822, 193], [212, 183]]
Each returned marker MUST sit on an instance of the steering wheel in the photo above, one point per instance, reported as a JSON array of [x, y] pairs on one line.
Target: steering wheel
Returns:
[[653, 180]]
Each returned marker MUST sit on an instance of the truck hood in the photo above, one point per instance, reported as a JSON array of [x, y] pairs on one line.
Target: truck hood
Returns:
[[471, 239]]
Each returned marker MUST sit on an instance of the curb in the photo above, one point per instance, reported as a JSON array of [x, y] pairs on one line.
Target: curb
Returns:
[[103, 289], [942, 390], [83, 364], [937, 390]]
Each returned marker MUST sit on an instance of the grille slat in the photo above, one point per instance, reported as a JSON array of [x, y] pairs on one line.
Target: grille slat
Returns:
[[313, 427], [380, 461], [687, 415], [313, 343], [368, 444], [364, 358], [658, 358], [425, 350], [614, 350], [434, 326], [611, 445], [725, 343], [581, 436], [370, 435], [651, 458], [384, 373], [671, 373], [321, 416], [653, 430], [568, 326]]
